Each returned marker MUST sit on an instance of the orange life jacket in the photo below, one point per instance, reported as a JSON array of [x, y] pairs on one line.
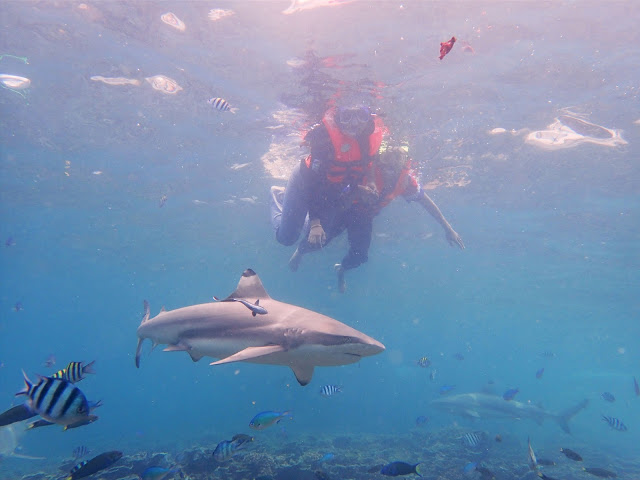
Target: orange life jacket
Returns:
[[405, 178], [347, 159]]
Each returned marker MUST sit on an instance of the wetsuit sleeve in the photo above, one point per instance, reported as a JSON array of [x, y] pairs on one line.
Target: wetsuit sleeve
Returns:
[[316, 173], [412, 191]]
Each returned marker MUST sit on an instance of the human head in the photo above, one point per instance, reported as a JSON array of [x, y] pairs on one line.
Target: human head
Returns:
[[354, 119], [393, 160]]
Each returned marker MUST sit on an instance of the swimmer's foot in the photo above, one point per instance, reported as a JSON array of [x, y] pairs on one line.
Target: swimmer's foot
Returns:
[[294, 261], [277, 197], [342, 283]]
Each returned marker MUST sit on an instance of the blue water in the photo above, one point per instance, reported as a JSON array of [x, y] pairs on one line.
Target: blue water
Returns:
[[552, 258]]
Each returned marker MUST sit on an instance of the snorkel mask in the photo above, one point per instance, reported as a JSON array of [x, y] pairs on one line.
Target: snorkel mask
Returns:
[[353, 120]]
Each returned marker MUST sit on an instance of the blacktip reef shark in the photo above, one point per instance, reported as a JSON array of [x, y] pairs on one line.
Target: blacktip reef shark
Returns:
[[287, 335], [483, 405]]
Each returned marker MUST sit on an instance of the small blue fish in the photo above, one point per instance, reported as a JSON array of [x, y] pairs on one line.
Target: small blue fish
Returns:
[[444, 389], [421, 420], [329, 390], [424, 362], [18, 307], [266, 419], [608, 397], [539, 373], [636, 387], [255, 308], [510, 394], [158, 473], [458, 356], [327, 457], [470, 468], [615, 423]]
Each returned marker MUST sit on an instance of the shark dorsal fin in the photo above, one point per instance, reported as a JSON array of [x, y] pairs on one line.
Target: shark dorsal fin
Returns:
[[249, 286]]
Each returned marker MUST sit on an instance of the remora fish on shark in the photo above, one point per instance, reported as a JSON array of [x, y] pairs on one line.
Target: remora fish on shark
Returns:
[[482, 405], [288, 335]]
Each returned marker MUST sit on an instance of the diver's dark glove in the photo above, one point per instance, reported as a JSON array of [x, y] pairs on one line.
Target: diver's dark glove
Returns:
[[316, 233], [368, 194]]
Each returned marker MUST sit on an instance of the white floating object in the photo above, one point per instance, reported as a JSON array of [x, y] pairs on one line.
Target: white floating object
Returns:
[[14, 82], [173, 21], [164, 84]]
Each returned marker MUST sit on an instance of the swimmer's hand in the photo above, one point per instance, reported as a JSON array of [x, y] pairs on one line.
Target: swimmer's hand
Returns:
[[368, 194], [316, 233], [454, 239]]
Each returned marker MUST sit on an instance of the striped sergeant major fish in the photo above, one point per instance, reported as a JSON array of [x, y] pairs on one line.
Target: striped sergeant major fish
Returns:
[[96, 464], [615, 423], [55, 400], [329, 390], [473, 439], [75, 371], [221, 105]]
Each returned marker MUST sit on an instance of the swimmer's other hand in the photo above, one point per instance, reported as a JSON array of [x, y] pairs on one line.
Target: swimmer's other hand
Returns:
[[316, 234]]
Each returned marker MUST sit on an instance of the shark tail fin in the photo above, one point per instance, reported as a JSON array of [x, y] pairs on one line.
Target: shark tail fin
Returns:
[[147, 314], [569, 413]]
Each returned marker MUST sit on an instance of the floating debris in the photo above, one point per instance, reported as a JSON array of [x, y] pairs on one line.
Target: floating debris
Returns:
[[164, 84], [14, 82], [116, 80], [170, 19], [301, 5], [568, 131], [238, 166], [8, 55], [216, 14]]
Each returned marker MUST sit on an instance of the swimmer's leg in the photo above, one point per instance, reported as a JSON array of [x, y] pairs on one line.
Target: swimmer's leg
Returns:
[[288, 214]]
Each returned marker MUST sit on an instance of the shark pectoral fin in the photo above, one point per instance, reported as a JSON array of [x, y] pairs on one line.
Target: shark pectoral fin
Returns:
[[249, 353], [303, 373], [184, 347]]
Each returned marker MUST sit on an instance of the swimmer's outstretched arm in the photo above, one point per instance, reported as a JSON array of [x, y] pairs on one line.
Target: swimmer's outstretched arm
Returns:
[[429, 205]]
